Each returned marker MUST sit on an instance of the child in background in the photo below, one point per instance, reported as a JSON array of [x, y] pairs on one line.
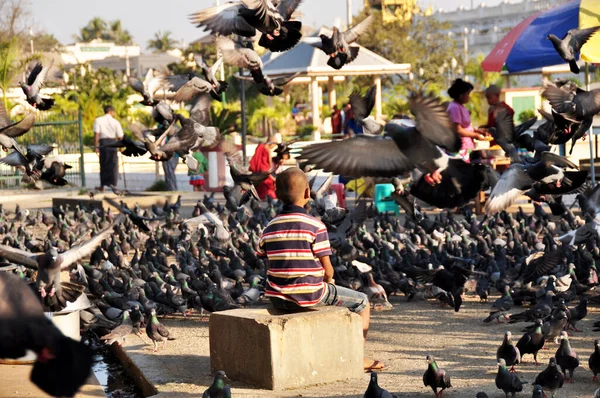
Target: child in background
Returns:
[[197, 179]]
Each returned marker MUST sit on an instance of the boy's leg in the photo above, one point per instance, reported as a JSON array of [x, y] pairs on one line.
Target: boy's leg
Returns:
[[366, 320]]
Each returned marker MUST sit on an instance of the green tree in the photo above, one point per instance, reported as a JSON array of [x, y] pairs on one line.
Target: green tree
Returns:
[[10, 65], [117, 34], [92, 91], [95, 29], [162, 42]]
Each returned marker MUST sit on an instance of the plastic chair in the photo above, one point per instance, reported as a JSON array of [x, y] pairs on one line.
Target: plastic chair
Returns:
[[383, 200], [340, 191]]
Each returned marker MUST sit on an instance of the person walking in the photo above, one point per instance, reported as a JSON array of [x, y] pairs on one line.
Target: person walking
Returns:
[[169, 167], [197, 179], [107, 130], [336, 120]]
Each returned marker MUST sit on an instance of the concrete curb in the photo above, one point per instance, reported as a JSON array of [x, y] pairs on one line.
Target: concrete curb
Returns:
[[134, 371]]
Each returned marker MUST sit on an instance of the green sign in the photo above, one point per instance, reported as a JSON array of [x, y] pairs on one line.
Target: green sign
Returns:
[[94, 49]]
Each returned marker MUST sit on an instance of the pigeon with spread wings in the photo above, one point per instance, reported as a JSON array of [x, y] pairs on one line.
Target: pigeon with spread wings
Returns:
[[33, 85], [244, 18], [401, 149], [9, 131], [338, 46], [55, 294], [576, 105], [148, 87], [570, 45], [520, 178]]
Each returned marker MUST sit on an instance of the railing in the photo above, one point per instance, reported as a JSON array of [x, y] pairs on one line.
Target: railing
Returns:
[[63, 131]]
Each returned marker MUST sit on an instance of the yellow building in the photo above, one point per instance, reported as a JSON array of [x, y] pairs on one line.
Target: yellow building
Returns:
[[394, 11]]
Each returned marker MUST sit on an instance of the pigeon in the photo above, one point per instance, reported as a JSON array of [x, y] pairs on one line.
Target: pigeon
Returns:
[[32, 161], [266, 85], [532, 342], [374, 391], [550, 378], [32, 86], [506, 381], [157, 332], [55, 174], [435, 377], [538, 392], [520, 178], [338, 46], [218, 389], [566, 358], [570, 45], [577, 314], [50, 264], [594, 361], [23, 326], [240, 55], [132, 148], [501, 306], [362, 107], [577, 106], [244, 18], [398, 151], [9, 131], [192, 88], [148, 87], [508, 352], [120, 333], [210, 75]]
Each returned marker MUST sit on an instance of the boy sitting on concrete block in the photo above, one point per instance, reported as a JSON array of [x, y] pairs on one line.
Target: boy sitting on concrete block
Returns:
[[297, 247]]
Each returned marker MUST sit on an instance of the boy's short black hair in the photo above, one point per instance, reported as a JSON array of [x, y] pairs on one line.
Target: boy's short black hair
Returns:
[[290, 185]]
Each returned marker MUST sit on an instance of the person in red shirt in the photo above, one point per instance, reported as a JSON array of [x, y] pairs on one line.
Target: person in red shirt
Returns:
[[262, 162]]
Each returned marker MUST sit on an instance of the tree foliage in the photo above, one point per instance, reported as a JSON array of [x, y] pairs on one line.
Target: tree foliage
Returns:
[[91, 91], [162, 42], [98, 28]]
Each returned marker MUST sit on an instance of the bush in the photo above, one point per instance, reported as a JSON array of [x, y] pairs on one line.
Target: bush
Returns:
[[526, 115], [157, 186], [305, 130]]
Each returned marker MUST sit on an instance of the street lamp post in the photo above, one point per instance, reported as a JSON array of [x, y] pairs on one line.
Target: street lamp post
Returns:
[[349, 11], [466, 44], [31, 40]]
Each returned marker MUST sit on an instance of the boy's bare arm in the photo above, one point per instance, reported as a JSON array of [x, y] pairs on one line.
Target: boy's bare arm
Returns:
[[326, 263]]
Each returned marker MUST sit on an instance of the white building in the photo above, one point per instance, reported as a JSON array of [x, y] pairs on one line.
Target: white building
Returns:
[[96, 50], [478, 29]]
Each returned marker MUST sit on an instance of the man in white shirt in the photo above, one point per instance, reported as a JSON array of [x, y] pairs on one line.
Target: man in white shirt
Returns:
[[107, 130]]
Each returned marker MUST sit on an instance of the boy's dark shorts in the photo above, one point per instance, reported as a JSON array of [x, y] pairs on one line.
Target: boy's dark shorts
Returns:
[[335, 296]]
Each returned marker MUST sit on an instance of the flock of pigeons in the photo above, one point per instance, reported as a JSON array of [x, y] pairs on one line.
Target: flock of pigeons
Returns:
[[140, 264]]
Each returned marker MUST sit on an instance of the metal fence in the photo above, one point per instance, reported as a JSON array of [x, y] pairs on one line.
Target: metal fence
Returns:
[[63, 131]]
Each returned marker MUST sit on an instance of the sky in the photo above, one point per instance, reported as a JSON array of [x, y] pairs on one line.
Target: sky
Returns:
[[143, 18]]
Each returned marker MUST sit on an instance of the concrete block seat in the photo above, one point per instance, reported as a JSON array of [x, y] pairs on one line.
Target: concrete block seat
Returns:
[[277, 350]]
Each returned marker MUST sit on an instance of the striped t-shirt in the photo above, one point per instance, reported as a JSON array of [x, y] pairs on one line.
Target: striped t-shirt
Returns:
[[293, 242]]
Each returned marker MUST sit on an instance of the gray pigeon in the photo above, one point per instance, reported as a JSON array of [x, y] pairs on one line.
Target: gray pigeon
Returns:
[[374, 391], [362, 107], [566, 358], [34, 84], [571, 44], [538, 392], [550, 379], [506, 381], [156, 331], [218, 389], [120, 333], [508, 352]]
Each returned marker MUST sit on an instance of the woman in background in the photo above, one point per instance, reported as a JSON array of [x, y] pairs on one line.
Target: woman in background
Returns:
[[460, 117], [262, 162]]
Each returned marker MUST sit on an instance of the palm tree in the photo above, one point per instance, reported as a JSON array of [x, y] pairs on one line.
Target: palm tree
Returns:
[[162, 42], [95, 29], [117, 34]]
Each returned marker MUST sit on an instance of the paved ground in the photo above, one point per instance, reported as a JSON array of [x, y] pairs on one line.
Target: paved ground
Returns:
[[464, 346], [14, 382]]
